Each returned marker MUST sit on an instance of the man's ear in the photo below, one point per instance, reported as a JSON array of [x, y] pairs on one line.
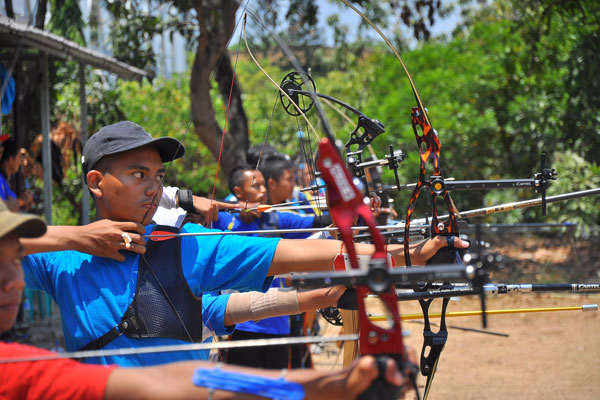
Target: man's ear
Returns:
[[272, 184], [94, 178], [237, 192]]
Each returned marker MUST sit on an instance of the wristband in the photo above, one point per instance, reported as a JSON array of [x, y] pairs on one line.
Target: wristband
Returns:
[[185, 199]]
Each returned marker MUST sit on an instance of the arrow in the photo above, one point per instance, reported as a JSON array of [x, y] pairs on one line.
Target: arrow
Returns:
[[407, 317], [182, 347], [520, 204], [161, 235]]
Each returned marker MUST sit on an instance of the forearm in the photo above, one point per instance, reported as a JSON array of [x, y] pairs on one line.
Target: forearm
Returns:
[[311, 300], [252, 306], [174, 381], [102, 238], [56, 238], [318, 255], [169, 381], [300, 255]]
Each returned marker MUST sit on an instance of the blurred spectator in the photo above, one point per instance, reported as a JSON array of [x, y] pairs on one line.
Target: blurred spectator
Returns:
[[10, 163]]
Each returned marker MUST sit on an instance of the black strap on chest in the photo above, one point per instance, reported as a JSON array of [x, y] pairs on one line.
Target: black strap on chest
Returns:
[[163, 305]]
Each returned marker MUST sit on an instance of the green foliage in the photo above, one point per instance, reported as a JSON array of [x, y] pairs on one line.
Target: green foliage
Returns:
[[132, 31], [67, 197], [518, 79], [577, 174], [104, 105], [499, 94], [66, 20]]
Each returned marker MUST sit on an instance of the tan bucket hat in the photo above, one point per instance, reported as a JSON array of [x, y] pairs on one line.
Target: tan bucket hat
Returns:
[[26, 225]]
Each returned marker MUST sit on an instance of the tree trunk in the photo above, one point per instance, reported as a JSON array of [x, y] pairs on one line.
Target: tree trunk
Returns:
[[216, 20]]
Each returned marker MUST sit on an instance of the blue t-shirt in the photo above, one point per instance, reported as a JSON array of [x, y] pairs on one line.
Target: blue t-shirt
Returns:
[[307, 199], [214, 305], [5, 191], [93, 292], [272, 220], [231, 198]]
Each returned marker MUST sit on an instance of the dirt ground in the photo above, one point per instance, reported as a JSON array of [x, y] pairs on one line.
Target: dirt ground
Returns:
[[549, 355]]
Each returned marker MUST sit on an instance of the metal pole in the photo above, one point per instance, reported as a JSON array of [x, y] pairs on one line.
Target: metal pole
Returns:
[[85, 197], [46, 149]]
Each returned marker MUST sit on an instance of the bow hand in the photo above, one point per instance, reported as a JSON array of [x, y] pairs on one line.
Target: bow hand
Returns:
[[452, 253]]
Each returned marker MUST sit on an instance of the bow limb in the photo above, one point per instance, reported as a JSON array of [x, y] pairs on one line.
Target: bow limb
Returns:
[[419, 118], [290, 55], [391, 46], [346, 203], [433, 341], [350, 318]]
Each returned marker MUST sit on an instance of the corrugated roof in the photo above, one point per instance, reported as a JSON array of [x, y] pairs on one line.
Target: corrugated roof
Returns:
[[59, 47]]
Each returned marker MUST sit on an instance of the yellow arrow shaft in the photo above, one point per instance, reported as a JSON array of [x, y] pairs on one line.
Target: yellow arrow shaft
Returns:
[[489, 312]]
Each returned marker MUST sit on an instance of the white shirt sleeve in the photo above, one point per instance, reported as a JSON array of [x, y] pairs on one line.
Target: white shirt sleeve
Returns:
[[171, 217], [167, 199]]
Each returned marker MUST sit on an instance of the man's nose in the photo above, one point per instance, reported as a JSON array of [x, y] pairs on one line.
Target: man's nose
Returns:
[[153, 188], [12, 278]]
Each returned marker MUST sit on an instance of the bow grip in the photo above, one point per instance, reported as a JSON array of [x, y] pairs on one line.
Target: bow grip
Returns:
[[448, 254], [345, 203]]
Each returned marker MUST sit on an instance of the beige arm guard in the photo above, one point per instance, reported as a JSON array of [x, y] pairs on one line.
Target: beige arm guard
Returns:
[[252, 306]]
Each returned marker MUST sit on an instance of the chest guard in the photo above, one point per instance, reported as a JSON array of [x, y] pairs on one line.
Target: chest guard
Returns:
[[163, 305]]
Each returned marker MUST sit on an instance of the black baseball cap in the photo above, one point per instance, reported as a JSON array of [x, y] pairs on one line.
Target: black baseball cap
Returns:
[[125, 136]]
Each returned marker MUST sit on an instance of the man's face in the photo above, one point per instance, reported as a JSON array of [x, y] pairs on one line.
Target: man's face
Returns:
[[13, 164], [303, 173], [282, 190], [131, 186], [253, 188], [11, 280]]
